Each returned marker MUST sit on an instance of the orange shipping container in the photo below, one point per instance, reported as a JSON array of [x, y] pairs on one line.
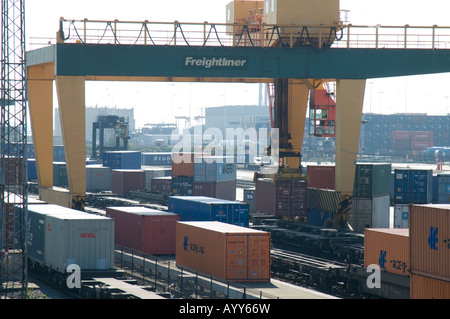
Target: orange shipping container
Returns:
[[183, 164], [429, 288], [387, 248], [224, 251], [430, 240]]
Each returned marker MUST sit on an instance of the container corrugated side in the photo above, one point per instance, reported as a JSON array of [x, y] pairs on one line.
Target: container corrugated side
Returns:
[[401, 216], [74, 237], [124, 181], [224, 251], [223, 190], [183, 164], [430, 240], [413, 186], [369, 213], [201, 208], [147, 230], [249, 198], [422, 287], [443, 188], [162, 185], [215, 169], [387, 248]]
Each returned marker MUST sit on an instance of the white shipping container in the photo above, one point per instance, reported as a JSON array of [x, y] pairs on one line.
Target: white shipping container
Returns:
[[401, 216], [98, 178], [370, 213], [75, 237]]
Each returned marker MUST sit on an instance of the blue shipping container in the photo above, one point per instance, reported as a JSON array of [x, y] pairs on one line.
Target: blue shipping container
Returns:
[[122, 159], [157, 158], [413, 186], [200, 208], [31, 169], [318, 217]]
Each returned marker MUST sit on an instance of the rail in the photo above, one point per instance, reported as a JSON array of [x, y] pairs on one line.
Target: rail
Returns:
[[257, 35]]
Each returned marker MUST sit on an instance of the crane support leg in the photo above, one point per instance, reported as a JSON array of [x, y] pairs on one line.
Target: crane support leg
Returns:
[[71, 100], [349, 105], [291, 102], [40, 96]]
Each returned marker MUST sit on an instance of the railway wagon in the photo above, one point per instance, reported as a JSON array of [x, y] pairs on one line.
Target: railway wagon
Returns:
[[59, 237]]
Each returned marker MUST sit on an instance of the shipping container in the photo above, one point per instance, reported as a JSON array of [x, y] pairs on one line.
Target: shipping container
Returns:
[[60, 236], [326, 200], [157, 158], [369, 213], [321, 176], [223, 251], [182, 185], [223, 190], [124, 181], [429, 240], [146, 230], [401, 216], [31, 170], [122, 159], [98, 178], [154, 172], [183, 164], [215, 169], [388, 248], [319, 218], [249, 198], [14, 170], [443, 188], [161, 185], [201, 208], [60, 174], [282, 198], [413, 186], [422, 287], [372, 180]]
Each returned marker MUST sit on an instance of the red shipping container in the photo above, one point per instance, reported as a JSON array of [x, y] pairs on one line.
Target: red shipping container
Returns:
[[183, 164], [162, 185], [321, 176], [282, 199], [146, 230], [124, 181], [223, 190]]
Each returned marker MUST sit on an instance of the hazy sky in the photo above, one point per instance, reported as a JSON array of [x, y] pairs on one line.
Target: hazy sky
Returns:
[[154, 102]]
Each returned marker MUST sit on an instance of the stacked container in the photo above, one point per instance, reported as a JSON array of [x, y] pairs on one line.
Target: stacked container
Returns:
[[60, 174], [183, 173], [430, 251], [122, 159], [401, 216], [182, 185], [281, 198], [98, 178], [224, 251], [201, 208], [147, 230], [155, 172], [124, 181], [31, 170], [161, 185], [157, 158], [387, 248], [413, 186], [249, 198], [59, 236], [371, 197]]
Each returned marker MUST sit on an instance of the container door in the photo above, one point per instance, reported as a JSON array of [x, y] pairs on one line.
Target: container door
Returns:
[[236, 257], [258, 268]]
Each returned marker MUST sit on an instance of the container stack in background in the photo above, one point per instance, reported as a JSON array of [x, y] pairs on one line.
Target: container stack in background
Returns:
[[371, 197], [430, 251], [411, 186], [183, 173]]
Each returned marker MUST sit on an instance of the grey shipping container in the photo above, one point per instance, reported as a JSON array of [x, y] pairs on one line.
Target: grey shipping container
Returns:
[[154, 172], [369, 213], [443, 188], [215, 169], [224, 190], [60, 174], [98, 178], [59, 237], [156, 158], [372, 180]]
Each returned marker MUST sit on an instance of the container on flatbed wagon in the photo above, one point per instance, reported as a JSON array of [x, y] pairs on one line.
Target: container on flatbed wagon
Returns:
[[224, 251]]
